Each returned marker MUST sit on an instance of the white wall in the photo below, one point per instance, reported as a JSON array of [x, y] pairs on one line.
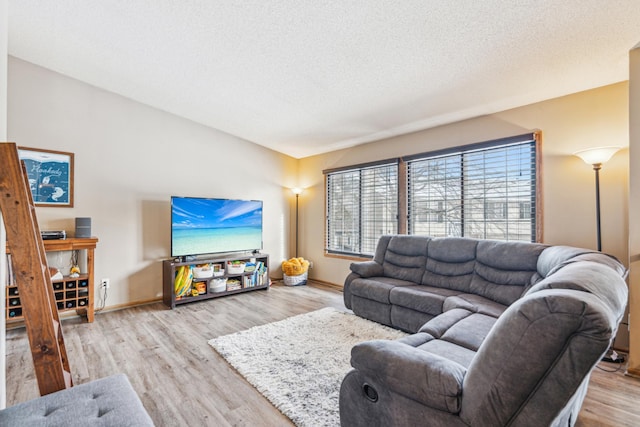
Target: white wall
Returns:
[[584, 120], [129, 160]]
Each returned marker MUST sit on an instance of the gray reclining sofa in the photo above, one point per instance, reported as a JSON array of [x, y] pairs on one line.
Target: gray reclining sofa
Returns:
[[502, 333]]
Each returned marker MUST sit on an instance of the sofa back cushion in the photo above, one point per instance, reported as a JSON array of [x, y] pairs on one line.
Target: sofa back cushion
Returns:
[[555, 258], [505, 270], [405, 257], [450, 263], [381, 248], [588, 276]]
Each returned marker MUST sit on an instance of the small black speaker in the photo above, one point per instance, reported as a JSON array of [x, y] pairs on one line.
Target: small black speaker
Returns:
[[83, 227]]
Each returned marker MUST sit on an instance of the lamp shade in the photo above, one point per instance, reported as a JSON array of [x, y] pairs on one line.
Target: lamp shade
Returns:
[[297, 190], [599, 155]]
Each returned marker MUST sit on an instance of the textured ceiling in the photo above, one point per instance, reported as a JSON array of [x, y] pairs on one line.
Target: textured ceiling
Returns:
[[308, 76]]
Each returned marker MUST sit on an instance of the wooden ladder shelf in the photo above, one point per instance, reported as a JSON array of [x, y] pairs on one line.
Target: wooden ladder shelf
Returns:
[[32, 275]]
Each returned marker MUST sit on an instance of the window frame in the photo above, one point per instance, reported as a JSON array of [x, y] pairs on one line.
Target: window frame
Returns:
[[403, 186], [534, 138], [362, 223]]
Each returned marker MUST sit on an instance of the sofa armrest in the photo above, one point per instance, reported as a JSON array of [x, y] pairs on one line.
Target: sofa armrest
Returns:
[[424, 377], [367, 268]]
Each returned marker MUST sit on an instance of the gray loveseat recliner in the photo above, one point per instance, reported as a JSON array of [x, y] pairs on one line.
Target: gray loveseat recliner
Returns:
[[503, 333]]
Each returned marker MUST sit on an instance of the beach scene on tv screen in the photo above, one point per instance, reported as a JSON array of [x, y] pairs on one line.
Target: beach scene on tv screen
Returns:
[[201, 226]]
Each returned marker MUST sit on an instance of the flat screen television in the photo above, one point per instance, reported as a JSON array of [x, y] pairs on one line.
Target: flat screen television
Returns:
[[205, 226]]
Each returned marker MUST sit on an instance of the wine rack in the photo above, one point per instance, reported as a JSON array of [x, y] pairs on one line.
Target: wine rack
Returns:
[[71, 293]]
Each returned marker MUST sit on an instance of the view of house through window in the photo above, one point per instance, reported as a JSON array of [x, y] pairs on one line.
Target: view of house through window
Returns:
[[485, 191]]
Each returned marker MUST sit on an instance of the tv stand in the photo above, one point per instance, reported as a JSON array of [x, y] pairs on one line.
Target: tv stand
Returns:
[[210, 287]]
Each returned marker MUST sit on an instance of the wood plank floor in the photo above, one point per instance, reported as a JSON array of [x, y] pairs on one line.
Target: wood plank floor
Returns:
[[182, 381]]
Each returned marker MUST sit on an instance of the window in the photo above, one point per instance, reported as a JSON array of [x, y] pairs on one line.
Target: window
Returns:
[[362, 205], [434, 196], [486, 191]]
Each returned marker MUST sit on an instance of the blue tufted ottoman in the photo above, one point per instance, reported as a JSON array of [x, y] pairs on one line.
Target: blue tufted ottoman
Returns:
[[108, 401]]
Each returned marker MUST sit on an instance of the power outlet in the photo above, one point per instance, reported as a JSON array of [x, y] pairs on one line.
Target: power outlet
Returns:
[[310, 264], [104, 283]]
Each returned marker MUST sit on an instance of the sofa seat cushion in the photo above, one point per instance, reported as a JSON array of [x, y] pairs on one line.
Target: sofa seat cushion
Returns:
[[460, 328], [471, 331], [376, 288], [427, 343], [425, 299], [439, 325], [456, 334], [475, 304]]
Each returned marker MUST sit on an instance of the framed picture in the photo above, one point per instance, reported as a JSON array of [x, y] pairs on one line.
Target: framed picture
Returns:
[[50, 175]]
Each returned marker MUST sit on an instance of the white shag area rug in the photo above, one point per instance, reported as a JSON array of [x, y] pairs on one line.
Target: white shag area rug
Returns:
[[298, 363]]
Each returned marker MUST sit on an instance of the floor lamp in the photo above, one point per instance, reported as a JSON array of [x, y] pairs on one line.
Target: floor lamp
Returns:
[[596, 157], [297, 192]]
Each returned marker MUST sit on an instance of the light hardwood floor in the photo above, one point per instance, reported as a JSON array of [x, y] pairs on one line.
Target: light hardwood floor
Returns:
[[182, 381]]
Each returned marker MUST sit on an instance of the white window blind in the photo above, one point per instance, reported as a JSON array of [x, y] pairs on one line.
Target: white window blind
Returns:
[[362, 205], [486, 191]]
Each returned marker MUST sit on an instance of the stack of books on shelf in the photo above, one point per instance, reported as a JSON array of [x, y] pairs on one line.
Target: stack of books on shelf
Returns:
[[257, 278]]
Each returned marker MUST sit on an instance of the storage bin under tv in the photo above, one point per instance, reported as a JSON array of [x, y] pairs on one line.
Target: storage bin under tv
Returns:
[[249, 280]]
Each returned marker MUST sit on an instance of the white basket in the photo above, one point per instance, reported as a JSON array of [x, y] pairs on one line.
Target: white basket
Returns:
[[295, 280], [218, 285], [235, 268], [202, 272]]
